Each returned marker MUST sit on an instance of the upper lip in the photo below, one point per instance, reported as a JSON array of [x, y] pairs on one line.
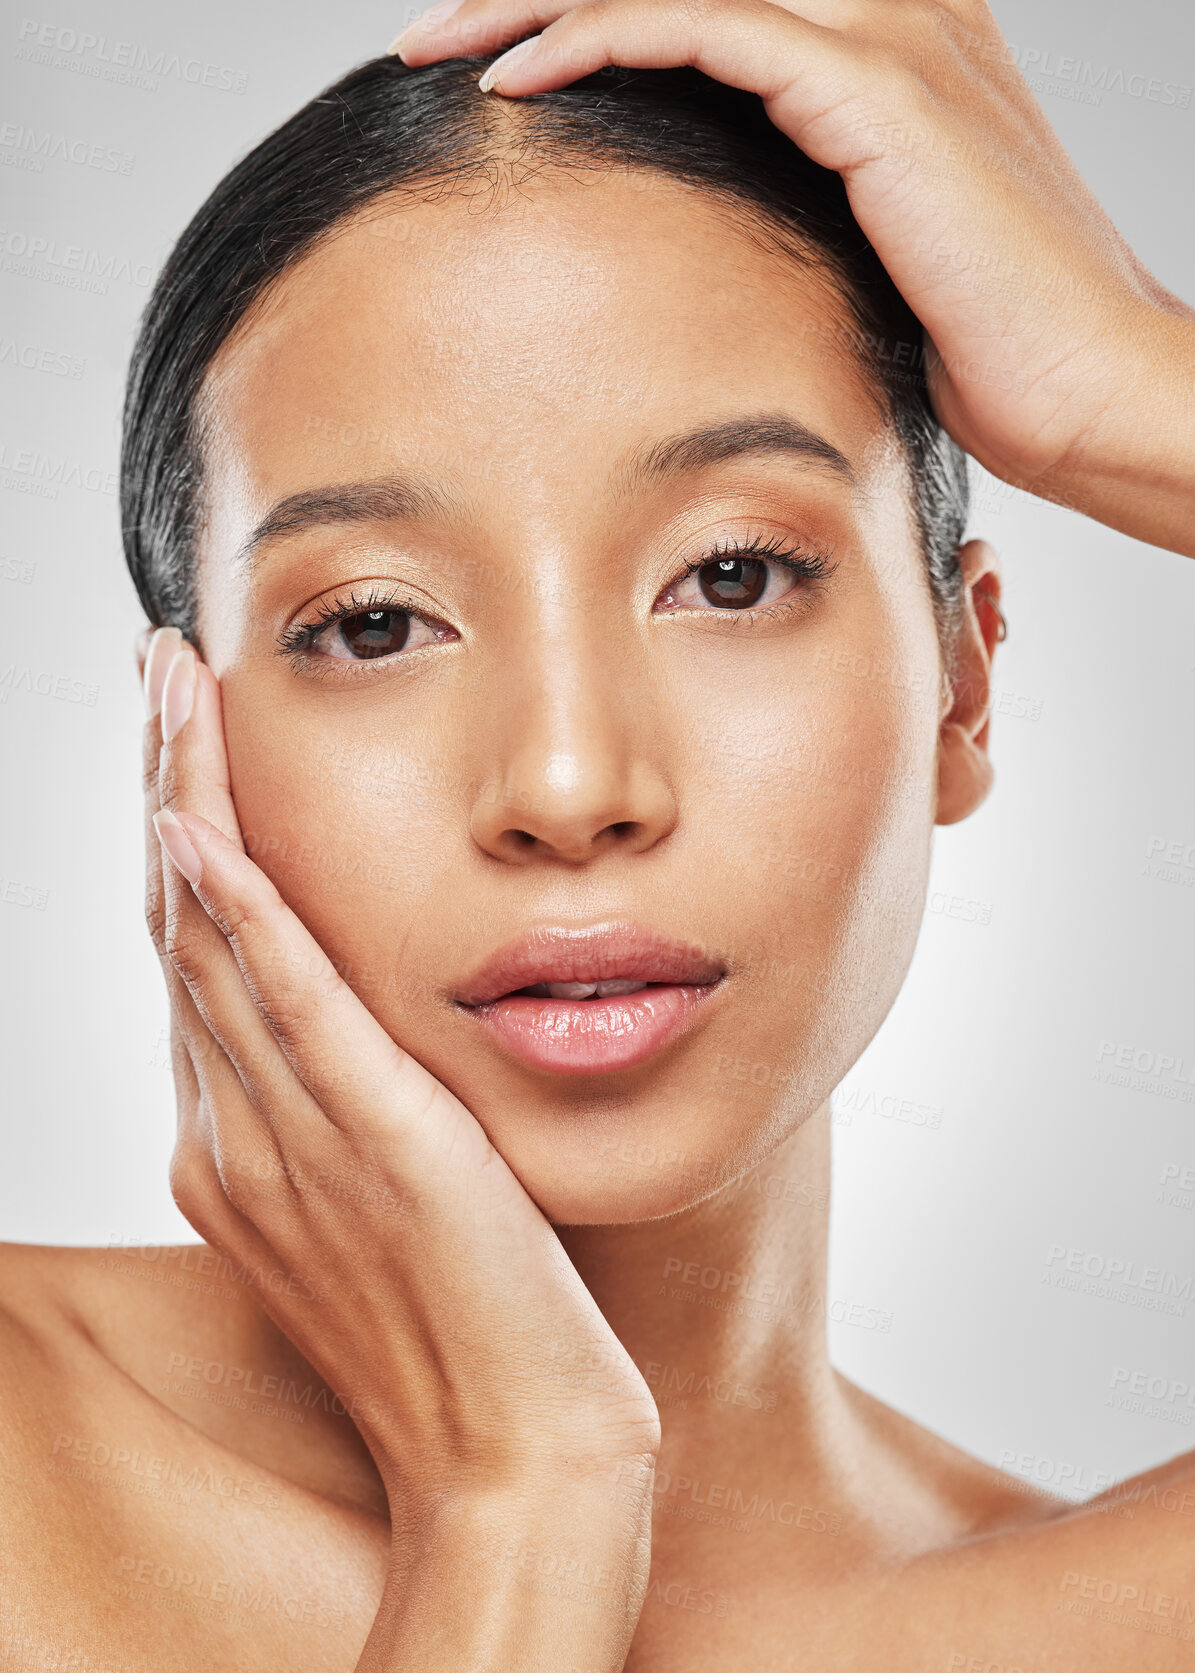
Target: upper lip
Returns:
[[600, 953]]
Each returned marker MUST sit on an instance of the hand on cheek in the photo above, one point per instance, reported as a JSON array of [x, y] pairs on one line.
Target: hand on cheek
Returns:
[[311, 1145]]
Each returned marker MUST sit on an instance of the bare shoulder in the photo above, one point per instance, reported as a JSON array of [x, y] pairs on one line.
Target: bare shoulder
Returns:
[[1043, 1582], [100, 1343], [952, 1494], [1098, 1586], [1018, 1578], [44, 1293], [73, 1319], [116, 1297]]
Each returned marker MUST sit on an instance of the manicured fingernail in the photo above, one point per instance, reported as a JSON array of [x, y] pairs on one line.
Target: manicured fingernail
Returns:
[[178, 693], [426, 24], [501, 65], [162, 649], [178, 845]]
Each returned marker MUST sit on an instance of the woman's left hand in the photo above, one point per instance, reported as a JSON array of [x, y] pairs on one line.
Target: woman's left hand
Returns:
[[1055, 358]]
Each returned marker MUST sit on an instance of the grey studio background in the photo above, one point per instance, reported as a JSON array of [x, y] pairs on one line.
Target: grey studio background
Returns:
[[1013, 1256]]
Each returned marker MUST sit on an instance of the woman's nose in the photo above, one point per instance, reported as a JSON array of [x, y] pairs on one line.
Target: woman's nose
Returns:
[[577, 774]]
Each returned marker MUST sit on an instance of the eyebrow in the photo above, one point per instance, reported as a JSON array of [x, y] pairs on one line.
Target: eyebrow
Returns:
[[712, 444], [407, 496]]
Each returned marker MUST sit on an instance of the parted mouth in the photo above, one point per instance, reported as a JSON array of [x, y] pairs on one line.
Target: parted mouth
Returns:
[[580, 990], [601, 961]]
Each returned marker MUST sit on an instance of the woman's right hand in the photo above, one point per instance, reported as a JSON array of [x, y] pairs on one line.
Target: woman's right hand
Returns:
[[422, 1282]]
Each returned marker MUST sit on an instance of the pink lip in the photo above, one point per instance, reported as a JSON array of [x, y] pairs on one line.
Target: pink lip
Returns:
[[591, 1036]]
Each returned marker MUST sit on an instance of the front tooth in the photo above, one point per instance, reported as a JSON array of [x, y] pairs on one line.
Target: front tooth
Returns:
[[617, 985], [571, 990]]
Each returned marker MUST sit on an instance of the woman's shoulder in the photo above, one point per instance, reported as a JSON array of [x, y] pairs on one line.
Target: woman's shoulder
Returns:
[[194, 1525], [941, 1494], [112, 1291], [71, 1314], [1024, 1573]]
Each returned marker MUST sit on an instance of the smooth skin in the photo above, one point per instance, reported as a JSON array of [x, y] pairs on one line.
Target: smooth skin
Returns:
[[480, 1261]]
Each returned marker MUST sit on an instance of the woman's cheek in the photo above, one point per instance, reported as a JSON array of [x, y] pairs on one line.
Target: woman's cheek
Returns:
[[834, 806], [355, 829]]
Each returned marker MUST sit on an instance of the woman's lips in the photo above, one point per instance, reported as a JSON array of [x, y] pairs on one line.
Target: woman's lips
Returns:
[[589, 999], [593, 1036]]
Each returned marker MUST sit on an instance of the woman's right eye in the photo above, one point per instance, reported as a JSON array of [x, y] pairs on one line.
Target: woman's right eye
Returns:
[[369, 634]]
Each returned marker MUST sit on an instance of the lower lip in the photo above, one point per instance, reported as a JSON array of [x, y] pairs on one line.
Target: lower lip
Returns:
[[593, 1036]]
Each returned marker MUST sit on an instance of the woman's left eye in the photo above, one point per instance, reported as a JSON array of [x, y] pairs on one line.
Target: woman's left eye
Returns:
[[366, 635], [741, 580]]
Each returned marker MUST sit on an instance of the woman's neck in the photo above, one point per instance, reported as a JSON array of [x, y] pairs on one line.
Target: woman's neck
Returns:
[[723, 1309]]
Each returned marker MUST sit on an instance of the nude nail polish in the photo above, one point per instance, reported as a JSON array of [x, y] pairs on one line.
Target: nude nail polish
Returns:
[[506, 61], [178, 845], [178, 693], [163, 647]]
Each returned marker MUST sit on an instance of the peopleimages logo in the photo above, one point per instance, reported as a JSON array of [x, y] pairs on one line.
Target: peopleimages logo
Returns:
[[1166, 1390], [1162, 1074], [1117, 1279], [30, 255], [1040, 64], [37, 146], [81, 52]]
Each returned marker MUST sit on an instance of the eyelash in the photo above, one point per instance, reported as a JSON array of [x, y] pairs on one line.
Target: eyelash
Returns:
[[813, 566], [298, 640]]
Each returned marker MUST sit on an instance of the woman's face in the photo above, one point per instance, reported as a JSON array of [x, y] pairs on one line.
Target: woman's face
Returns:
[[477, 413]]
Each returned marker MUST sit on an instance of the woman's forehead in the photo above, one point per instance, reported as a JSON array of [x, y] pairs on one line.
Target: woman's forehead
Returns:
[[602, 290], [532, 342]]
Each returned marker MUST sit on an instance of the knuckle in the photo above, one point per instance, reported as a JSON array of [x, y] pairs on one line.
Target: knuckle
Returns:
[[237, 920], [183, 944], [168, 776], [253, 1181], [288, 1014], [193, 1183], [155, 920], [252, 915], [935, 32], [151, 755], [699, 14]]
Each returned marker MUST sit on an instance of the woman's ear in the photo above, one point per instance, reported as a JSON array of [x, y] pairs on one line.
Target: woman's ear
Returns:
[[964, 766]]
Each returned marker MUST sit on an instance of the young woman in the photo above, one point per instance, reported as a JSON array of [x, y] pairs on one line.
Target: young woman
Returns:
[[566, 644]]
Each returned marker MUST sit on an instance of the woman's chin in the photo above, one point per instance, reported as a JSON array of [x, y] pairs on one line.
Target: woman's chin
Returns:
[[588, 1169]]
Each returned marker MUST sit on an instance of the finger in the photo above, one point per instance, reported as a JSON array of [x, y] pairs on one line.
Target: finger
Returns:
[[752, 44], [181, 930], [811, 78], [162, 648], [225, 1157], [480, 26], [228, 1171], [194, 767], [163, 644], [213, 1003], [206, 988], [364, 1082], [477, 26]]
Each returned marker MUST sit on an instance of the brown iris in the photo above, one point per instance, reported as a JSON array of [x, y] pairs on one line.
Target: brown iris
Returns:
[[738, 581], [376, 632]]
